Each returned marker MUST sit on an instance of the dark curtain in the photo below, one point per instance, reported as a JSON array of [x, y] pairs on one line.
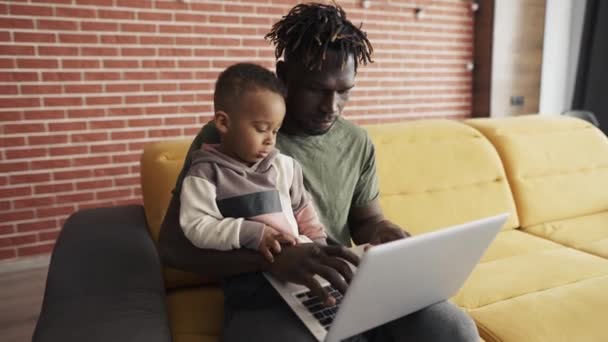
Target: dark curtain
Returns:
[[591, 89]]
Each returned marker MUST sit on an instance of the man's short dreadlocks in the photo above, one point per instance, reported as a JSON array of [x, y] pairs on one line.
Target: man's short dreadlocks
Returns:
[[308, 30]]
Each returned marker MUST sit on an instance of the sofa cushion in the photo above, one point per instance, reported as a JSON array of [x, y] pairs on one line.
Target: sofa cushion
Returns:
[[588, 233], [514, 242], [573, 312], [557, 166], [435, 173], [196, 314]]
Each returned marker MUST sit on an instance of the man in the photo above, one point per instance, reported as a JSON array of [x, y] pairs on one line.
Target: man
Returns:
[[321, 51]]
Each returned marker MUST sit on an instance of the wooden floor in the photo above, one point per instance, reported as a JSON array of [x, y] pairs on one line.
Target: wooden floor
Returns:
[[21, 291]]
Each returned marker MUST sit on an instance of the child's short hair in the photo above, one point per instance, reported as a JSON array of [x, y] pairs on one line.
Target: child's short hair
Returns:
[[240, 78]]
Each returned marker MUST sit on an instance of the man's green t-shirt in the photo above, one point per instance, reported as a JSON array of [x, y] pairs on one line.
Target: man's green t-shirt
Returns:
[[339, 170]]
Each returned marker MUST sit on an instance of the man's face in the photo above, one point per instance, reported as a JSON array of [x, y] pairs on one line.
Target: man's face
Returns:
[[316, 98]]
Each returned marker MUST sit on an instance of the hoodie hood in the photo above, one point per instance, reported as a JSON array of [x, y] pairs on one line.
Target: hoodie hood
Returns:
[[210, 153]]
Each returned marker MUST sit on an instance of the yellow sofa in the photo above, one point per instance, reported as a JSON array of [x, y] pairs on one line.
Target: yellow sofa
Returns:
[[544, 278]]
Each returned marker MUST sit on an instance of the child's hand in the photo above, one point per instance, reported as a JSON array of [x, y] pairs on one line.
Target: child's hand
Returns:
[[271, 242]]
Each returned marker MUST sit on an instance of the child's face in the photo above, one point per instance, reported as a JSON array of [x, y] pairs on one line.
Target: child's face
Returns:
[[252, 130]]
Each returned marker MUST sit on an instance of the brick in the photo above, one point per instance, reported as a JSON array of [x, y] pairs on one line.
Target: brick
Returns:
[[103, 100], [35, 250], [134, 3], [23, 128], [118, 39], [174, 52], [72, 175], [17, 240], [87, 161], [191, 40], [209, 52], [175, 29], [158, 64], [47, 139], [208, 7], [137, 52], [165, 133], [29, 178], [7, 63], [50, 235], [137, 28], [75, 198], [34, 37], [6, 229], [224, 19], [141, 99], [67, 126], [30, 10], [162, 110], [99, 51], [128, 181], [35, 226], [108, 148], [62, 101], [52, 188], [140, 75], [144, 122], [40, 89], [225, 41], [19, 102], [120, 63], [15, 23], [208, 30], [57, 211], [127, 135], [50, 164], [112, 171], [8, 253], [189, 131], [96, 184], [82, 88], [95, 2], [94, 125], [123, 88], [112, 194], [101, 76], [154, 16], [17, 50], [74, 38], [11, 116], [7, 142], [178, 98], [9, 89], [121, 111], [126, 158], [57, 51], [37, 63], [33, 202], [74, 12], [98, 26], [155, 40], [4, 206], [85, 113], [88, 137], [44, 24], [136, 146], [66, 151], [80, 64], [26, 153], [13, 192], [175, 75], [160, 87], [61, 76], [198, 85], [113, 14]]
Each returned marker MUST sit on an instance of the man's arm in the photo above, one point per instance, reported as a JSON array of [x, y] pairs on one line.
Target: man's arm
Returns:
[[368, 225]]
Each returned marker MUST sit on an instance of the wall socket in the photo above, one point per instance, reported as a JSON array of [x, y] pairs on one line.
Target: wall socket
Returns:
[[517, 101]]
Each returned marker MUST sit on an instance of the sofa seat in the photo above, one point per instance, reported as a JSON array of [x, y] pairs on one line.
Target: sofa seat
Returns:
[[587, 233], [196, 314], [572, 312]]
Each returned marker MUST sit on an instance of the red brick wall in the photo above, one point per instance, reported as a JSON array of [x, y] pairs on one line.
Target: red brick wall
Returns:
[[85, 84]]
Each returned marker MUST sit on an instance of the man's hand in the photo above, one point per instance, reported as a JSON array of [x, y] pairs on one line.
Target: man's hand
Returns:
[[386, 231], [271, 242], [298, 264]]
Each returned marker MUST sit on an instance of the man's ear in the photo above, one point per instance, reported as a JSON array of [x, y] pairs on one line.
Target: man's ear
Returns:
[[282, 71], [222, 121]]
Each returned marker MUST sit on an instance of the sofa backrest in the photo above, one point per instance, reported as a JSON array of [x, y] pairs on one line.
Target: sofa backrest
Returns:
[[436, 173], [557, 166]]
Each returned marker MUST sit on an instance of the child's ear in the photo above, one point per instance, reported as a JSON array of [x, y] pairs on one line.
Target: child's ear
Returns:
[[222, 121]]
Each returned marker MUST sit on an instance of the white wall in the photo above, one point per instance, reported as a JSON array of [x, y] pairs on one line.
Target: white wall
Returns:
[[563, 29]]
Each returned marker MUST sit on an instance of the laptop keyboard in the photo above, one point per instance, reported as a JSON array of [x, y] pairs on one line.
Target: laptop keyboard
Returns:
[[324, 314]]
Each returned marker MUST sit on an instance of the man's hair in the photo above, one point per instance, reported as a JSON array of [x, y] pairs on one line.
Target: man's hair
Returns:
[[239, 78], [308, 30]]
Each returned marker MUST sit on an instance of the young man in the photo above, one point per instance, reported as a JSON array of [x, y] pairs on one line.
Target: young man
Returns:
[[321, 51]]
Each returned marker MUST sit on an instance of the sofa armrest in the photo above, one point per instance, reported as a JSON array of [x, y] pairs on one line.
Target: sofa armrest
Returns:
[[104, 281]]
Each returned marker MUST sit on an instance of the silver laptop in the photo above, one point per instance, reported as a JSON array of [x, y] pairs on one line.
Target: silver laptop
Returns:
[[395, 279]]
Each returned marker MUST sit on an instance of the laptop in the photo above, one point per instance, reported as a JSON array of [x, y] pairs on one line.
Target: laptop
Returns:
[[395, 279]]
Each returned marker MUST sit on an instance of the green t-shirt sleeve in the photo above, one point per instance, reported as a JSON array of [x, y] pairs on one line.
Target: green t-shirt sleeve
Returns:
[[366, 189], [207, 135]]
